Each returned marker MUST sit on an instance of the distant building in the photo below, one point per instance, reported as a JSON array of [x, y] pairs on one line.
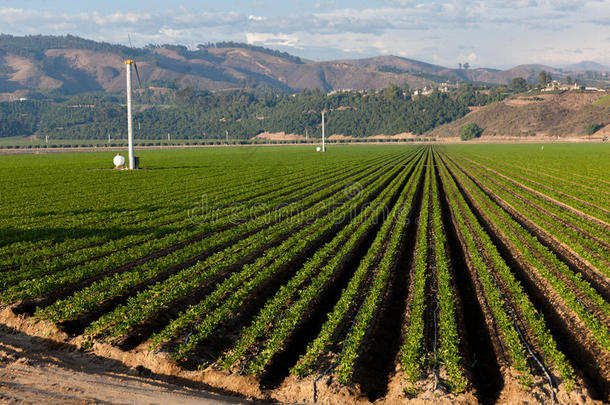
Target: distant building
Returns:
[[558, 86], [423, 92], [594, 89]]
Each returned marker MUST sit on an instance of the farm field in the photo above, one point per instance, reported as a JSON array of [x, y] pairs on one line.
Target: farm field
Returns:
[[452, 273]]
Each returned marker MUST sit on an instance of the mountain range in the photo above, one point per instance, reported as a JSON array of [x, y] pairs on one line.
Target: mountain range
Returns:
[[75, 65]]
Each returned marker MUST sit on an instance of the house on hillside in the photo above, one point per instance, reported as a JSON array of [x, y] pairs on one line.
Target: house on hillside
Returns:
[[426, 91], [558, 86]]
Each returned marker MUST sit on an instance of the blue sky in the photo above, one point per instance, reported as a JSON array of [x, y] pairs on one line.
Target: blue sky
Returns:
[[496, 33]]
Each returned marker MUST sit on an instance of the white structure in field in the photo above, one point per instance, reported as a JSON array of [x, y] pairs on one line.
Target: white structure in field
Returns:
[[128, 64], [133, 161], [118, 161], [323, 144]]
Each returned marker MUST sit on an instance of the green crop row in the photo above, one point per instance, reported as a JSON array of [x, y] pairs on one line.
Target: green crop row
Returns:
[[348, 300], [151, 300], [554, 226], [533, 318], [597, 234], [34, 287], [529, 247], [245, 190], [570, 201], [287, 323], [581, 191], [283, 191], [412, 355], [449, 339], [232, 292], [491, 291], [285, 311]]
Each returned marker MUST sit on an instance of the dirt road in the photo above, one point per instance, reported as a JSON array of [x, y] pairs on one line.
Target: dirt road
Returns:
[[40, 371]]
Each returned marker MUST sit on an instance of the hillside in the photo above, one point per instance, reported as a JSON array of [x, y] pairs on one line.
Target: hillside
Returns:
[[75, 65], [522, 116]]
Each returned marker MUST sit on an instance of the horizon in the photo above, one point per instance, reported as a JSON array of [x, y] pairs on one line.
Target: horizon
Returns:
[[191, 47], [486, 34]]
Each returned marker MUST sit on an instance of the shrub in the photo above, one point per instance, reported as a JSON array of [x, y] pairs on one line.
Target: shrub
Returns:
[[470, 131], [592, 128]]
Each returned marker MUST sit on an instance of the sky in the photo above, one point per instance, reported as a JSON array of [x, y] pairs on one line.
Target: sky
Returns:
[[495, 34]]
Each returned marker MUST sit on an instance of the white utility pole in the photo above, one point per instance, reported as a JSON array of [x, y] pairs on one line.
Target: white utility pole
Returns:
[[129, 117], [323, 144], [306, 136], [168, 138], [227, 135], [46, 139]]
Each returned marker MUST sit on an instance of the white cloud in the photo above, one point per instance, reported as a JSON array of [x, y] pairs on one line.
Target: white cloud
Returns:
[[258, 38], [488, 33]]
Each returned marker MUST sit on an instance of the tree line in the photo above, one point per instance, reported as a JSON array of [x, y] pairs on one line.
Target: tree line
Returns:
[[191, 114]]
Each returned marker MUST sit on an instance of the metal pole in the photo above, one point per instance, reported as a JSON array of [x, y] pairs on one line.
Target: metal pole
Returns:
[[323, 144], [129, 117]]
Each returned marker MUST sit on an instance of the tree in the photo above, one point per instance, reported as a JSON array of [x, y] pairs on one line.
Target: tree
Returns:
[[466, 65], [392, 92], [470, 131], [460, 65], [518, 85], [544, 78], [569, 80]]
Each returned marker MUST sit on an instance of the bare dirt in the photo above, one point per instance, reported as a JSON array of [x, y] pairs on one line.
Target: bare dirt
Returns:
[[282, 136], [279, 136], [35, 370]]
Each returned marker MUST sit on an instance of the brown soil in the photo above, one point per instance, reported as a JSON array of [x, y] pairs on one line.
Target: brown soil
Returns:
[[573, 336], [402, 135], [279, 136], [41, 364], [480, 340], [36, 370], [525, 100], [339, 137]]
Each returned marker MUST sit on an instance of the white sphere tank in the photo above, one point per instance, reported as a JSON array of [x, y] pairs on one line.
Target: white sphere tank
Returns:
[[118, 160], [318, 149]]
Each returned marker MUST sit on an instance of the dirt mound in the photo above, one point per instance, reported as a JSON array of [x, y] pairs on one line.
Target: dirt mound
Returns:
[[279, 136], [402, 135]]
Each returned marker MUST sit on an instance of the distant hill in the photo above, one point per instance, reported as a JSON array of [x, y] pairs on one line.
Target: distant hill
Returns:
[[528, 72], [75, 65], [588, 65], [563, 115]]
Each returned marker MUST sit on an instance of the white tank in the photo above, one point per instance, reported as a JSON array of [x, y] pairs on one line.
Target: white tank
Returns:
[[118, 160]]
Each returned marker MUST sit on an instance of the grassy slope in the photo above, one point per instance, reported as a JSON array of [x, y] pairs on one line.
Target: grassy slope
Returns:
[[561, 115]]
